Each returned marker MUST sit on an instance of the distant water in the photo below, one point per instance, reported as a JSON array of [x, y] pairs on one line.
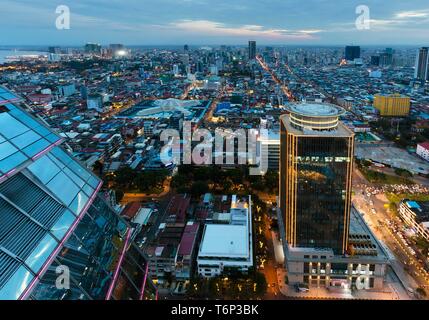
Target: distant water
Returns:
[[7, 53]]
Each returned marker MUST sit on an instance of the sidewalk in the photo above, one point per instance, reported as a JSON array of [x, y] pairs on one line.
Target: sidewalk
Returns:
[[393, 289], [324, 293]]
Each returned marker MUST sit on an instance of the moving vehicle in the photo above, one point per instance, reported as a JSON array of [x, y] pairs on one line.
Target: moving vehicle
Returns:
[[301, 287]]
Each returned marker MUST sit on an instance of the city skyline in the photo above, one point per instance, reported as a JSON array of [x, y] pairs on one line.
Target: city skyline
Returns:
[[200, 22], [210, 150]]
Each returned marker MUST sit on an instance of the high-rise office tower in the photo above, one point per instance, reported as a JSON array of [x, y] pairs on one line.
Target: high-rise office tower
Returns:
[[117, 49], [422, 65], [352, 52], [92, 48], [375, 60], [60, 238], [316, 156], [55, 50], [386, 57], [252, 49]]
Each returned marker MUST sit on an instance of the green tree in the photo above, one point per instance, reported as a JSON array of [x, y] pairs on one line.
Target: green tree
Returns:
[[272, 181], [124, 177], [179, 180], [199, 188]]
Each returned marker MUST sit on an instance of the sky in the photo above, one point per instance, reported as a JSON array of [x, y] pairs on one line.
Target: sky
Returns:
[[215, 22]]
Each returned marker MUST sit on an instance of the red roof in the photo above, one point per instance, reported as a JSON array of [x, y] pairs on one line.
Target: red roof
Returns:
[[188, 239], [424, 145], [131, 209], [178, 207], [202, 213]]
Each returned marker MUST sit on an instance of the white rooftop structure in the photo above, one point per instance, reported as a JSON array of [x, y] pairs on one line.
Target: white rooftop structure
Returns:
[[222, 240], [229, 244], [170, 105], [316, 109], [143, 216]]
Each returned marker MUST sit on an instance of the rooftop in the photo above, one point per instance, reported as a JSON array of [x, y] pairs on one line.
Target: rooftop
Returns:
[[188, 238], [316, 109], [225, 241], [420, 208], [340, 130]]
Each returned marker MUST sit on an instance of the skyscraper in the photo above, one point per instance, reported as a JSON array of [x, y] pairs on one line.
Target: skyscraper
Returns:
[[422, 65], [322, 232], [252, 49], [315, 177], [386, 57], [352, 52], [54, 221], [117, 49], [92, 48]]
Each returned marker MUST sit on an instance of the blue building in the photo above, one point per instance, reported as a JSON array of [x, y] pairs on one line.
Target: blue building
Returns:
[[223, 107], [66, 90], [54, 221]]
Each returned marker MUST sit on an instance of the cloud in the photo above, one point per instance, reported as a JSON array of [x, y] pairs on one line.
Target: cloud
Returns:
[[412, 14], [311, 31], [213, 28]]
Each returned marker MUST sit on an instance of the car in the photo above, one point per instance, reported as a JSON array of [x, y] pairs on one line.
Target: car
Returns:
[[301, 287], [141, 242]]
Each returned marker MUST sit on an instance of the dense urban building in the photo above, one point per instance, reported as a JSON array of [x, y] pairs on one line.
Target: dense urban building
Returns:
[[394, 105], [252, 49], [422, 150], [416, 215], [111, 112], [422, 64], [352, 53]]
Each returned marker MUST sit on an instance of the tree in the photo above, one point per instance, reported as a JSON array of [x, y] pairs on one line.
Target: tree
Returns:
[[272, 181], [119, 194], [179, 180], [403, 172], [98, 167], [124, 177], [202, 173], [199, 187], [261, 283]]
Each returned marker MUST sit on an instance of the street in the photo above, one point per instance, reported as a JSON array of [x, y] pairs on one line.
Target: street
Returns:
[[379, 218]]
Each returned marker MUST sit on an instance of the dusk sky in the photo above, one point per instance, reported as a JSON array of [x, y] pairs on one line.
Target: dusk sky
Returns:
[[198, 22]]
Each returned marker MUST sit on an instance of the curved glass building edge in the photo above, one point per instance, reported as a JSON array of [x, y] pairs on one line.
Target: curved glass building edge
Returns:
[[59, 237]]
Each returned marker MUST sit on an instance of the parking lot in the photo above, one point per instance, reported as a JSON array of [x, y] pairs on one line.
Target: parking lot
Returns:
[[392, 156]]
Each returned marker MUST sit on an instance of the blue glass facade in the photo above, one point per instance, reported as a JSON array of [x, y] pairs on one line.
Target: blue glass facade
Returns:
[[52, 217]]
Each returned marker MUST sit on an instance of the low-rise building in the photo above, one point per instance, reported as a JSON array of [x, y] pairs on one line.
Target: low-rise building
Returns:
[[363, 267], [395, 105], [227, 244], [187, 250], [269, 149], [423, 150], [416, 215]]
